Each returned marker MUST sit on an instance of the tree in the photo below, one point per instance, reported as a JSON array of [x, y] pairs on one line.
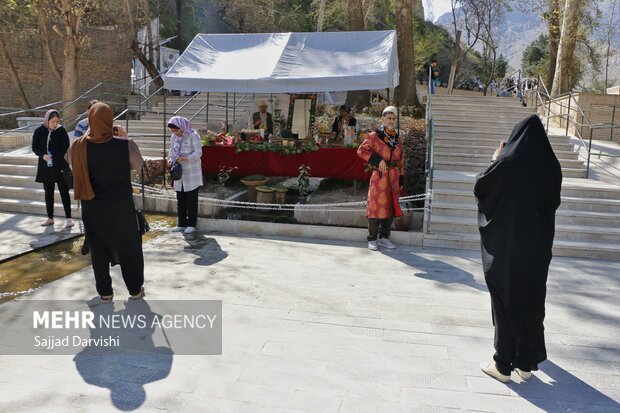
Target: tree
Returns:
[[357, 98], [462, 18], [488, 14], [406, 91], [610, 39], [11, 17], [566, 48]]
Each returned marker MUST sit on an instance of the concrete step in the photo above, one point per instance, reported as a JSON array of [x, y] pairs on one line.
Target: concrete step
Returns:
[[571, 187], [477, 167], [482, 158], [17, 169], [34, 193], [33, 207], [441, 147], [21, 181], [561, 248], [563, 231], [478, 119], [19, 160], [466, 197], [564, 215]]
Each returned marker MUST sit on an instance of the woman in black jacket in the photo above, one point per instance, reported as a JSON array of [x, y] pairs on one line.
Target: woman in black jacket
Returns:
[[50, 142]]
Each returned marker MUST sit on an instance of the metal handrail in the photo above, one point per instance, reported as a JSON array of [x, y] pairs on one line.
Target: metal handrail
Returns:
[[149, 82], [550, 114], [185, 104], [428, 210]]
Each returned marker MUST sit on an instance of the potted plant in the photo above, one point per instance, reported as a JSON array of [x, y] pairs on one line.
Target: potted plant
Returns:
[[303, 183], [222, 177]]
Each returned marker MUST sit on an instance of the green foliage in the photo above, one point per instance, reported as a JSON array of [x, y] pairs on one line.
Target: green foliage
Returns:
[[535, 58], [432, 42]]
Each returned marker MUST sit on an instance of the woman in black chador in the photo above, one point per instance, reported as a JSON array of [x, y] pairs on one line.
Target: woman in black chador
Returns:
[[517, 198]]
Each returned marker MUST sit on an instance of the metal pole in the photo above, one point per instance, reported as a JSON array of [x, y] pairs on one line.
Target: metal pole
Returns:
[[142, 182], [207, 120], [613, 122], [234, 107], [164, 122], [537, 92], [226, 112], [589, 151], [548, 111], [570, 96], [388, 95]]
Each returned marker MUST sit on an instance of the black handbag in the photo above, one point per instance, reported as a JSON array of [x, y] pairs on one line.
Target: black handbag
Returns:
[[143, 225], [176, 172], [67, 176]]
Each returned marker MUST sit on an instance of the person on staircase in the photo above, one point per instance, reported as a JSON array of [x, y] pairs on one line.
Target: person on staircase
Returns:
[[102, 181], [517, 197], [186, 150], [82, 126], [384, 151], [50, 142]]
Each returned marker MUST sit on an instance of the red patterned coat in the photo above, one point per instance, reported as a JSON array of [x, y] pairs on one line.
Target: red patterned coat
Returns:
[[384, 188]]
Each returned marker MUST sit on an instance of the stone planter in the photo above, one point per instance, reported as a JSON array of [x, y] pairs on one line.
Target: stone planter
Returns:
[[281, 195], [264, 195]]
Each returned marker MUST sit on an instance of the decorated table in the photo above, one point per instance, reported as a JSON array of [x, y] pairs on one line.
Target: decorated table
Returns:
[[338, 163]]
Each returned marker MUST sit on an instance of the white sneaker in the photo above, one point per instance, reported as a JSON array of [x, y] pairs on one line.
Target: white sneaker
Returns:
[[491, 370], [525, 375], [189, 230], [69, 223], [384, 242], [178, 229], [372, 245]]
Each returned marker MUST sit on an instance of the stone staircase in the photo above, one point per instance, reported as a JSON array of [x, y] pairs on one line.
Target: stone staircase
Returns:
[[20, 193], [467, 132]]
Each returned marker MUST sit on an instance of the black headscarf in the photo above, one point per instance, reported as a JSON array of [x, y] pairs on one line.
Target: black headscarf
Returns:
[[517, 197]]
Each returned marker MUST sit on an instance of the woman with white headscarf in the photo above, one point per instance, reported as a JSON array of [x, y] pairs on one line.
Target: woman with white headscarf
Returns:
[[50, 142], [186, 150]]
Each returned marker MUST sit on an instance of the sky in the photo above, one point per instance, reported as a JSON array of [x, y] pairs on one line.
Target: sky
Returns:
[[438, 7]]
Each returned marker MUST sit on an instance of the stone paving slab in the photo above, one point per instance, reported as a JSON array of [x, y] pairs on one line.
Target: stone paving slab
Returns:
[[22, 233], [317, 326]]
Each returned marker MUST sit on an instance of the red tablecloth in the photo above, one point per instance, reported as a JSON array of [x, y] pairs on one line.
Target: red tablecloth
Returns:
[[339, 163]]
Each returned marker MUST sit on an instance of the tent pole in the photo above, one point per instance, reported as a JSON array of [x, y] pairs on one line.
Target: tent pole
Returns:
[[234, 108], [226, 128], [165, 125], [207, 120]]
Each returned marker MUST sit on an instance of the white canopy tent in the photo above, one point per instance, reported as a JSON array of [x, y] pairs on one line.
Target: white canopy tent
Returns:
[[287, 62]]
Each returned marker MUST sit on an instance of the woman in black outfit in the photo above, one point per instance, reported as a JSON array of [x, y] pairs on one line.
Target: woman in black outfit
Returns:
[[50, 142], [101, 169]]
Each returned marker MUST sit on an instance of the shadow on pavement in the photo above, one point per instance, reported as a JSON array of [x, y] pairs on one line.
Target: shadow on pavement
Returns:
[[573, 394], [127, 369]]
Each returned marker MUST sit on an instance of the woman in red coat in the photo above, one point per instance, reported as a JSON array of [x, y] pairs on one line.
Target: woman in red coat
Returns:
[[383, 150]]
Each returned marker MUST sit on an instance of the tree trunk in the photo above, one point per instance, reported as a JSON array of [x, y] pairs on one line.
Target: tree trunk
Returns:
[[455, 60], [45, 41], [321, 19], [357, 98], [554, 40], [406, 90], [566, 48], [72, 16], [14, 76], [180, 45]]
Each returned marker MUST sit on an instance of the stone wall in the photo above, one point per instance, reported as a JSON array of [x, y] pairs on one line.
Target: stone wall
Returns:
[[104, 59], [598, 109]]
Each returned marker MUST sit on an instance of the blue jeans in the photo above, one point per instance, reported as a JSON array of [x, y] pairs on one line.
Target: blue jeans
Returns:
[[433, 87]]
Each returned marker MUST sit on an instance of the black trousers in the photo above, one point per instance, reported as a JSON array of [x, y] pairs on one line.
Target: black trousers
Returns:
[[187, 208], [64, 195], [379, 227]]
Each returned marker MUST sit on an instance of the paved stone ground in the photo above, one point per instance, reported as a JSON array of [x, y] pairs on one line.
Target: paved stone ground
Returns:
[[22, 233], [326, 327]]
